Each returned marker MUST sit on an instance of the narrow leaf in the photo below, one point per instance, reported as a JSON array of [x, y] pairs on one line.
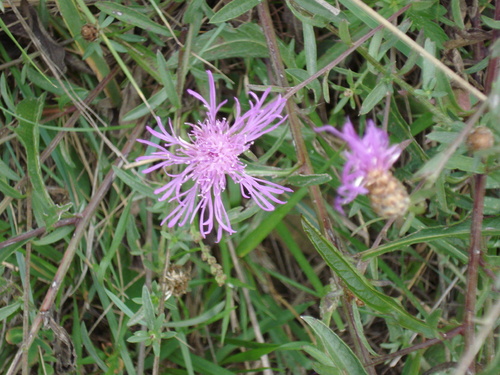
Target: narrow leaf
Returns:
[[233, 9], [360, 287], [491, 227], [132, 17], [341, 355], [30, 111]]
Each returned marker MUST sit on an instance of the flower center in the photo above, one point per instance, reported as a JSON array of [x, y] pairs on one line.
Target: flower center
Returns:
[[216, 153]]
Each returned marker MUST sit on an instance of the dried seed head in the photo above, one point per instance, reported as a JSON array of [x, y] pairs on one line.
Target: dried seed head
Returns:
[[388, 196], [177, 280], [481, 138], [89, 32]]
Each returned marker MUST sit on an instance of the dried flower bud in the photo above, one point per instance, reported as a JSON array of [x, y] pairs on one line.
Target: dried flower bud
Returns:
[[177, 280], [89, 32], [481, 138], [387, 194]]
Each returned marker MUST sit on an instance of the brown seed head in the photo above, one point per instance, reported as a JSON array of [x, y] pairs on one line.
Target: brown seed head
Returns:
[[89, 32], [177, 279], [481, 138], [388, 196]]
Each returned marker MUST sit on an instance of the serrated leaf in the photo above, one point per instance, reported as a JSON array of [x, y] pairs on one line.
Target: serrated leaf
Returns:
[[360, 286], [338, 351], [233, 9], [131, 17]]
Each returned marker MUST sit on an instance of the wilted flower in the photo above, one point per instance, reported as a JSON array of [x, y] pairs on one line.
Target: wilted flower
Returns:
[[212, 153], [367, 170]]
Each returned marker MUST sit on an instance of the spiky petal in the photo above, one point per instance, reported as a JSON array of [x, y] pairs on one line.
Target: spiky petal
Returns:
[[209, 157]]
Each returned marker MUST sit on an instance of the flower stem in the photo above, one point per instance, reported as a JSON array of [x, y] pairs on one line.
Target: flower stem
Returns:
[[472, 270], [302, 156], [306, 166]]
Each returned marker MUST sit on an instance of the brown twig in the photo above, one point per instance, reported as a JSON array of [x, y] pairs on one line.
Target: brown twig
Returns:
[[295, 126], [494, 63], [38, 232], [472, 270], [445, 336]]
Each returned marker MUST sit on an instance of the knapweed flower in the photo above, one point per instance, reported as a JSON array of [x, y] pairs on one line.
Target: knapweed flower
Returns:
[[367, 170], [208, 157]]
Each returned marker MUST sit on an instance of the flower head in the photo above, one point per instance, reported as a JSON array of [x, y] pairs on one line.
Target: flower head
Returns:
[[210, 156], [367, 170]]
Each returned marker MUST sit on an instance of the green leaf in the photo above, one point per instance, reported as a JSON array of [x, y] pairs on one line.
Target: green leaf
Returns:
[[8, 250], [490, 22], [244, 42], [255, 237], [233, 9], [134, 182], [374, 97], [149, 312], [119, 303], [313, 13], [29, 112], [5, 171], [336, 349], [8, 190], [491, 227], [118, 235], [308, 180], [360, 286], [54, 236], [167, 80], [89, 346], [457, 14], [132, 17], [301, 75], [202, 318], [157, 99], [7, 311]]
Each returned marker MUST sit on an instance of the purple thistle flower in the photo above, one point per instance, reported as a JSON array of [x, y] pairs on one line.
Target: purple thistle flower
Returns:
[[211, 154], [368, 162]]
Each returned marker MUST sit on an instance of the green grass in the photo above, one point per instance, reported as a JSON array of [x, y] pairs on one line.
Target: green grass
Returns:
[[91, 283]]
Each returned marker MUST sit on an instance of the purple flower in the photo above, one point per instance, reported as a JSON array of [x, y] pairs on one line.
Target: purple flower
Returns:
[[368, 159], [212, 153]]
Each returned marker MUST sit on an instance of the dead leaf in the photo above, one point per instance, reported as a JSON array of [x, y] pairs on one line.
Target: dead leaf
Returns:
[[63, 348]]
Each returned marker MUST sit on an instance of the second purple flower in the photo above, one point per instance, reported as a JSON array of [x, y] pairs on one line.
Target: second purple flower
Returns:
[[210, 156], [368, 170]]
